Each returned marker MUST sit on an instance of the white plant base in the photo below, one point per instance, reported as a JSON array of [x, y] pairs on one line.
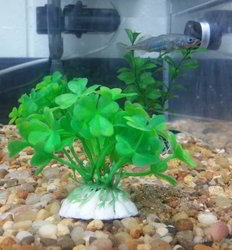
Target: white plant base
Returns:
[[92, 208]]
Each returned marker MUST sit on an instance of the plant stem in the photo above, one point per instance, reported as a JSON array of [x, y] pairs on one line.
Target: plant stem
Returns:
[[115, 168], [101, 160], [137, 174], [72, 165], [75, 156]]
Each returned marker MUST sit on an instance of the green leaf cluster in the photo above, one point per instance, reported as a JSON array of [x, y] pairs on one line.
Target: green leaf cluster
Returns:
[[112, 137], [141, 76]]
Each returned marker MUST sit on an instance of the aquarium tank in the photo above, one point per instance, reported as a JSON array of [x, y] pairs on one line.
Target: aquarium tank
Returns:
[[115, 124]]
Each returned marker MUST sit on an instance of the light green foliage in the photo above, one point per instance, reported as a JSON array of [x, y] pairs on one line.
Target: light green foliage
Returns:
[[141, 76], [112, 137]]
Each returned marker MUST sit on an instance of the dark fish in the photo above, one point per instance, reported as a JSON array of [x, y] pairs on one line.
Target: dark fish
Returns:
[[166, 43]]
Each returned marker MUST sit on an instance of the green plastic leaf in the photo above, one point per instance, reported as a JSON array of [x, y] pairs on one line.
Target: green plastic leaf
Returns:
[[14, 147], [135, 109], [66, 100], [142, 159], [41, 159], [127, 77], [132, 35], [78, 85], [153, 94], [101, 126], [86, 108], [49, 117], [53, 142], [180, 153], [138, 122], [36, 137]]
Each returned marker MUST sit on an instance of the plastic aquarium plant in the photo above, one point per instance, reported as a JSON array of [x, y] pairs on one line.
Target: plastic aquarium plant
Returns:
[[58, 113], [141, 76]]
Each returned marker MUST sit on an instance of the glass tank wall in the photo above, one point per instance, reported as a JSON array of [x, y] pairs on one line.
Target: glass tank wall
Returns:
[[81, 39], [208, 90]]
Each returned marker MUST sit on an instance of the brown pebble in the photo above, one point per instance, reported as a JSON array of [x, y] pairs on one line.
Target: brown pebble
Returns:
[[136, 232], [3, 173], [184, 224], [22, 194], [202, 247], [8, 241], [160, 244]]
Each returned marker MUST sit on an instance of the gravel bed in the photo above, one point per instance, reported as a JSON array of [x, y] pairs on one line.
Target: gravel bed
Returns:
[[195, 214]]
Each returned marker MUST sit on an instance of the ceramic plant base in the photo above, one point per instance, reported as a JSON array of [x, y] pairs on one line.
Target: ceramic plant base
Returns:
[[86, 203]]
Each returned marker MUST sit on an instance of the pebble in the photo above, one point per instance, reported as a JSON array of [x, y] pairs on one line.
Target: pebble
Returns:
[[23, 225], [160, 244], [217, 231], [102, 244], [185, 239], [51, 173], [25, 215], [42, 214], [8, 225], [33, 198], [184, 224], [4, 194], [162, 231], [62, 230], [54, 208], [144, 247], [206, 218], [77, 234], [202, 247], [3, 173], [95, 225], [65, 242], [48, 241], [152, 218], [178, 247], [22, 234], [167, 238], [216, 190], [48, 231], [180, 215]]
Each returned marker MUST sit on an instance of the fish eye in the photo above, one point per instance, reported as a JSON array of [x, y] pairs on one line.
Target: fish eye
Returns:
[[190, 40]]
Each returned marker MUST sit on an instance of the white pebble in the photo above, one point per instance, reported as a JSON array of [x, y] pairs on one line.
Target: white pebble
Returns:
[[8, 225], [22, 234], [198, 239], [162, 231], [167, 238], [178, 247], [207, 218], [48, 231]]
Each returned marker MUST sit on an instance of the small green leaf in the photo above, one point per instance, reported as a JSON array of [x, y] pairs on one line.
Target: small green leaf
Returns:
[[66, 100], [36, 137], [78, 85], [101, 126], [132, 35], [127, 77], [41, 159], [53, 142], [14, 147]]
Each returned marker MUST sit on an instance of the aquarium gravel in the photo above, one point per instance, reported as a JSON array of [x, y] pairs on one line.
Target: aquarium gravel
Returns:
[[194, 214]]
